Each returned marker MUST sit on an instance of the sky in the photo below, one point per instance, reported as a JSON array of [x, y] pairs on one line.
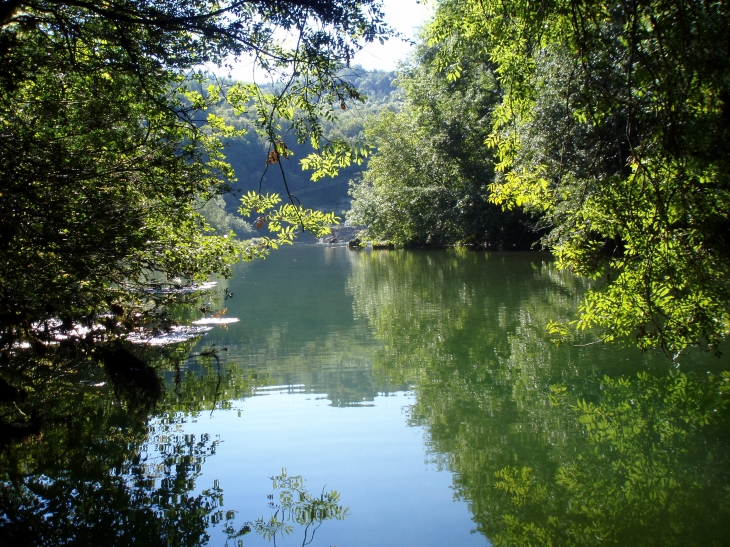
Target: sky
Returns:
[[405, 16]]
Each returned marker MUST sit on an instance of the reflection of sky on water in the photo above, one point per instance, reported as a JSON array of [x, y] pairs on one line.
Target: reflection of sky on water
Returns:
[[372, 371], [348, 338], [366, 453]]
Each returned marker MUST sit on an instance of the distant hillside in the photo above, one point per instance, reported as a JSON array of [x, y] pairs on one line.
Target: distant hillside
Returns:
[[247, 155]]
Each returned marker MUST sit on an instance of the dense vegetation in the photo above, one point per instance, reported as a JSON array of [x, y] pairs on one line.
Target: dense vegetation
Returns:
[[607, 122], [427, 182], [601, 128], [108, 152], [247, 153]]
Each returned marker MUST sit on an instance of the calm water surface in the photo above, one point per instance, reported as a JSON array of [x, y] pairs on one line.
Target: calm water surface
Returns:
[[379, 398], [423, 388]]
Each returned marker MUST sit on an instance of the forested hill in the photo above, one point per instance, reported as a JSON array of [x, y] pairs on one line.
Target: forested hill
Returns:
[[247, 155]]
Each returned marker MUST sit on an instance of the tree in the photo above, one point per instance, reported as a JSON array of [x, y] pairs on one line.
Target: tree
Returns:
[[106, 153], [245, 153], [427, 182], [613, 125]]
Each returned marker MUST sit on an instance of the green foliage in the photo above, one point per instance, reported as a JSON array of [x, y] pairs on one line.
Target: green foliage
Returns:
[[645, 459], [109, 148], [613, 125], [283, 220], [215, 214], [334, 156], [298, 107], [426, 184], [93, 196], [339, 156]]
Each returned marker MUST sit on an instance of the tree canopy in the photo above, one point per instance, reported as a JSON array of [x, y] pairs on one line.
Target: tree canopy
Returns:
[[613, 127], [427, 182], [107, 153]]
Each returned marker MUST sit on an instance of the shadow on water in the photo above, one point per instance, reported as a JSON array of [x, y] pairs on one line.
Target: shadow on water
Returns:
[[97, 455], [135, 381]]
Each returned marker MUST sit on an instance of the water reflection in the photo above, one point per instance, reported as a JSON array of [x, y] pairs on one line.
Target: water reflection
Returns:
[[648, 465], [110, 462], [550, 445], [297, 327], [297, 512]]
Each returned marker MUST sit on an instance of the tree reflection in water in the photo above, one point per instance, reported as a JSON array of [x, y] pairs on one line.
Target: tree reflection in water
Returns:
[[297, 507], [550, 445], [95, 456], [649, 465]]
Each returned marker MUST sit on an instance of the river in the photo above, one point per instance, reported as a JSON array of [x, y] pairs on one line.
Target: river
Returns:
[[397, 398]]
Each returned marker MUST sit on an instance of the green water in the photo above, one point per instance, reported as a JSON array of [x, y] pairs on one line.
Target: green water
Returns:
[[423, 388]]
